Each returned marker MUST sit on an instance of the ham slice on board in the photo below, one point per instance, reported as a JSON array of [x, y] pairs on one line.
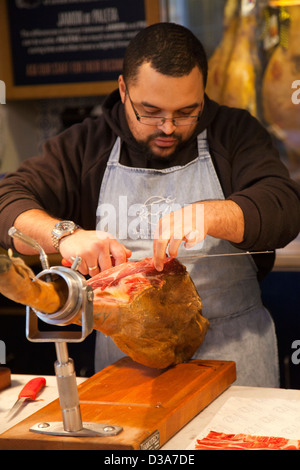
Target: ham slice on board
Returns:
[[221, 441]]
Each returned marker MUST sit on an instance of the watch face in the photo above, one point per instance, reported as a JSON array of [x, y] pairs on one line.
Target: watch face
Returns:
[[66, 225], [62, 227]]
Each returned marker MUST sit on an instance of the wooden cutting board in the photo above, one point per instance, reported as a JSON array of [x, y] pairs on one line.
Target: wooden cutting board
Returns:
[[5, 377], [150, 405]]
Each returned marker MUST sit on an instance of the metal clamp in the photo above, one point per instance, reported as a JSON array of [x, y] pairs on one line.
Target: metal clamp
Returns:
[[79, 307]]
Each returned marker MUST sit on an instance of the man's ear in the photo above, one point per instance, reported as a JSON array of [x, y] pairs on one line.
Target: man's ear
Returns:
[[122, 88]]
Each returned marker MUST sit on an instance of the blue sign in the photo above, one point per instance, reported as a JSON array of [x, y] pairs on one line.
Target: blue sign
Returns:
[[71, 41]]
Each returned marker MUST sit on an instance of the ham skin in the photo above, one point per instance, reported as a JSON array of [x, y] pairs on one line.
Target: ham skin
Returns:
[[221, 441], [279, 110], [153, 317]]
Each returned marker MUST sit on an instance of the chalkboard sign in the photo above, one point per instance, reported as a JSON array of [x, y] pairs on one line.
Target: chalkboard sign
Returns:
[[70, 42]]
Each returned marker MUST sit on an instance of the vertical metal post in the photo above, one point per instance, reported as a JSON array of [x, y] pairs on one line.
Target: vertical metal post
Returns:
[[67, 389]]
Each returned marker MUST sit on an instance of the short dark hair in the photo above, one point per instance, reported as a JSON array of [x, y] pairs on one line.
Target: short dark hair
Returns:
[[170, 48]]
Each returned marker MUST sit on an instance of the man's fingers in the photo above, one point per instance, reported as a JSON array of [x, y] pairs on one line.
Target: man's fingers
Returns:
[[98, 252], [192, 238], [174, 245], [119, 252], [159, 253]]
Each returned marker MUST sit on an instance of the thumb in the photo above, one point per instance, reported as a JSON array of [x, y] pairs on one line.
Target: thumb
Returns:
[[192, 239]]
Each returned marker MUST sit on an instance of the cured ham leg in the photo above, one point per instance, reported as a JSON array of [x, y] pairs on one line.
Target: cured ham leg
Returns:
[[239, 89], [233, 66], [219, 60], [153, 317], [18, 284], [282, 70]]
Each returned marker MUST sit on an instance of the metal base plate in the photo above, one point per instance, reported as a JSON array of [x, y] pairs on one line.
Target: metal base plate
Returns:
[[88, 430]]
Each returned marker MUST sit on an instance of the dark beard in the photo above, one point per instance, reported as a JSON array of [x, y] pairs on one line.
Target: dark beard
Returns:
[[146, 149]]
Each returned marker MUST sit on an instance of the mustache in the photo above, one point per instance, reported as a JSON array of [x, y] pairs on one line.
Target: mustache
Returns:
[[159, 134]]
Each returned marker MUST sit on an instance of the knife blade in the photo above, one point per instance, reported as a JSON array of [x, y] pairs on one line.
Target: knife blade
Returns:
[[65, 262], [212, 255], [28, 393], [216, 255]]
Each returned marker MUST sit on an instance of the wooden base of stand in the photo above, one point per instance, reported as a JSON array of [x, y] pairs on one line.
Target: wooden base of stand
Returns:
[[150, 405]]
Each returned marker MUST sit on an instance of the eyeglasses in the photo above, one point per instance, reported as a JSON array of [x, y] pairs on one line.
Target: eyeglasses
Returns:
[[160, 120]]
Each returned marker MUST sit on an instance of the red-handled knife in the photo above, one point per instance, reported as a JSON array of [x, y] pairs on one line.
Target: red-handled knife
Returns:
[[28, 392]]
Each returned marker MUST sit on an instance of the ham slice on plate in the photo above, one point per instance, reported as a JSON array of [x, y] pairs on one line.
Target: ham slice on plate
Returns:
[[221, 441], [153, 317]]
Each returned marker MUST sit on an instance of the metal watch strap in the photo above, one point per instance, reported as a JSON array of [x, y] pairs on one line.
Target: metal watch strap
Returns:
[[56, 241]]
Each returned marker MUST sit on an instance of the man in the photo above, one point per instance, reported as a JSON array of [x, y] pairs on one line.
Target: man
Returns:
[[165, 169]]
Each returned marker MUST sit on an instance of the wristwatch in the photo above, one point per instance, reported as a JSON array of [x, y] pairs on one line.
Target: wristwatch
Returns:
[[62, 229]]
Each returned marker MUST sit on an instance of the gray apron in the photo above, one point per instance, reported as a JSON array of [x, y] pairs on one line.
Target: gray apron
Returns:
[[131, 201]]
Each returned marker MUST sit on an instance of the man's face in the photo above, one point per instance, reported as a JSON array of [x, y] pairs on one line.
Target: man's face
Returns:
[[157, 95]]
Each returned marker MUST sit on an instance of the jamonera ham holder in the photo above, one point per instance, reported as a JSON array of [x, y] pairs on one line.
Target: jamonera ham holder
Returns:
[[153, 317]]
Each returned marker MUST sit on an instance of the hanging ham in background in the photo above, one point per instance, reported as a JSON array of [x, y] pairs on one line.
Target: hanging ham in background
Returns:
[[233, 67], [219, 60], [240, 77], [283, 68], [246, 73]]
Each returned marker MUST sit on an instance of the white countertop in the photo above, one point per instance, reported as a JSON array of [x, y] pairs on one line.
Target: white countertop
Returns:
[[184, 439], [9, 396]]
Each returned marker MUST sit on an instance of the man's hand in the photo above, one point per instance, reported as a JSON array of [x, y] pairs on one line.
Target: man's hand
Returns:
[[191, 224], [98, 250], [186, 224]]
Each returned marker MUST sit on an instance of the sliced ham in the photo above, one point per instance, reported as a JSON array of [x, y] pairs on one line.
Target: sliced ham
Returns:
[[153, 317], [221, 441]]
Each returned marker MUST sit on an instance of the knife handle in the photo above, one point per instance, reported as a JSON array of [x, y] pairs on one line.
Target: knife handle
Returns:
[[32, 388]]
